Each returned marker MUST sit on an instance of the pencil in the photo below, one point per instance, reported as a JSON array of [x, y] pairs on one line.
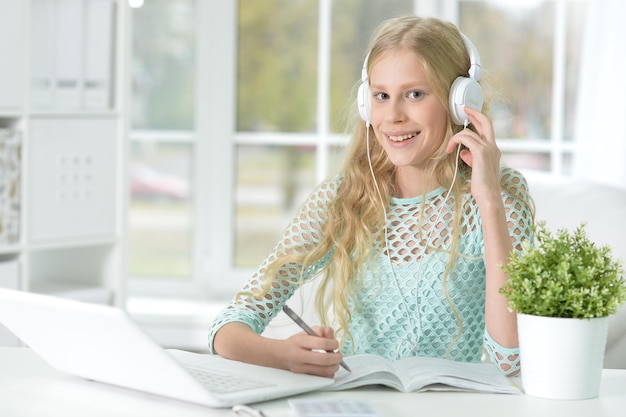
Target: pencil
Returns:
[[293, 316]]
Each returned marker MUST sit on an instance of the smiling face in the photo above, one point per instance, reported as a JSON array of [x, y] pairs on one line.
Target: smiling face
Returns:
[[408, 119]]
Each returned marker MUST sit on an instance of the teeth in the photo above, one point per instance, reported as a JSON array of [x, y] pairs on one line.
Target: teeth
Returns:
[[403, 137]]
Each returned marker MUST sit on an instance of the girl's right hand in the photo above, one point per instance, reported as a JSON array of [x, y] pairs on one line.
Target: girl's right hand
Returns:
[[315, 355]]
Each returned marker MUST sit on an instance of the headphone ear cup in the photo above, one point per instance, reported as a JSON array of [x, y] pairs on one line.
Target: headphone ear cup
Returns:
[[363, 102], [464, 92]]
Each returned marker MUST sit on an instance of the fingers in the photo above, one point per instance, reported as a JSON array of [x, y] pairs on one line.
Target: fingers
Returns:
[[324, 341], [484, 133], [316, 355], [466, 156], [481, 122], [326, 332], [466, 137], [316, 362]]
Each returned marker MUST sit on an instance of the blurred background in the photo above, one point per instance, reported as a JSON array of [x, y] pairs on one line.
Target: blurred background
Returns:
[[240, 108]]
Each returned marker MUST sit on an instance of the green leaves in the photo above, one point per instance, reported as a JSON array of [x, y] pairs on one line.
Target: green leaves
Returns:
[[564, 275]]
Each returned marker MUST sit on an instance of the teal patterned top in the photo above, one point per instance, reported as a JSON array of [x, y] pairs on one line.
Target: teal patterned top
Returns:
[[402, 307]]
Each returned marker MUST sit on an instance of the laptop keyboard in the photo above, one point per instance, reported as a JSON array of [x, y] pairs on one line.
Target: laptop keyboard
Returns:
[[223, 383]]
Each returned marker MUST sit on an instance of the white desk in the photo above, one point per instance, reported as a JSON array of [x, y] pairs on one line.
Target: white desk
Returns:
[[29, 387]]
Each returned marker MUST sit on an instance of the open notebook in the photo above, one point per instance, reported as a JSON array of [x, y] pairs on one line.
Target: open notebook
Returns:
[[103, 344]]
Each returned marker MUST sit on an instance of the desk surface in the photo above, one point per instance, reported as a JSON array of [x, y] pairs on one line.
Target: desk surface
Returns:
[[29, 387]]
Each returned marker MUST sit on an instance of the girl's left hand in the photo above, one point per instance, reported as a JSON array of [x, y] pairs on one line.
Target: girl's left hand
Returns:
[[481, 153]]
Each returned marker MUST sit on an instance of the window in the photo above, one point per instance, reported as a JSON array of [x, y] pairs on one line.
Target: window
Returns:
[[294, 93], [239, 110], [162, 143], [530, 52]]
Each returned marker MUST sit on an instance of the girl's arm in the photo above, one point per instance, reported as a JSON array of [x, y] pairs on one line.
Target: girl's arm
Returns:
[[501, 323], [300, 353], [483, 155], [236, 331]]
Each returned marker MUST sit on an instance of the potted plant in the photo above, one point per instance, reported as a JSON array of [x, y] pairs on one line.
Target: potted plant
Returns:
[[563, 287]]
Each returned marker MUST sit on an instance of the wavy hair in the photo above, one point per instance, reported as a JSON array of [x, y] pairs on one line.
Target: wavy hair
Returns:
[[352, 232]]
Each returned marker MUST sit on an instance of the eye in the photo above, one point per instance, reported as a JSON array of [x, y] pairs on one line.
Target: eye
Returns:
[[381, 96], [416, 95]]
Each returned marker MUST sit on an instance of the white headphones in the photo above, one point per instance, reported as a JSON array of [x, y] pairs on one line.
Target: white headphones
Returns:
[[464, 91]]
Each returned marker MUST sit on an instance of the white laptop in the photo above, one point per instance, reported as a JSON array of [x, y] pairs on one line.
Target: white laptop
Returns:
[[103, 344]]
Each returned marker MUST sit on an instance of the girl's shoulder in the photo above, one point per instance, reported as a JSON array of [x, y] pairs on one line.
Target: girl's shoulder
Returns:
[[324, 192], [336, 179], [331, 184], [512, 179]]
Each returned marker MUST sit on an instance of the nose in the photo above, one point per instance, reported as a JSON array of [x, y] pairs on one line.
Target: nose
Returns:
[[395, 112]]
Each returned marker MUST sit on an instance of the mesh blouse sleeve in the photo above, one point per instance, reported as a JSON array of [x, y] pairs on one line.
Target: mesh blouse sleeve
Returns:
[[518, 210], [301, 235]]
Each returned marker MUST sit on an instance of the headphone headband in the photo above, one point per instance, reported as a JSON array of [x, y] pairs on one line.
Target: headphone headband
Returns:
[[475, 69]]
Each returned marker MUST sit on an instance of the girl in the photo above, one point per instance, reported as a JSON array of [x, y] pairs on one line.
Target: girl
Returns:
[[409, 238]]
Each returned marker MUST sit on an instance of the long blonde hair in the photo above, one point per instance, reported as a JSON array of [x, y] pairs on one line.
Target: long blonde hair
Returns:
[[352, 230]]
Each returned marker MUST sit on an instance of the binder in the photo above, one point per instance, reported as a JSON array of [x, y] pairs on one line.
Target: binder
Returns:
[[68, 37], [98, 54], [42, 53], [72, 54]]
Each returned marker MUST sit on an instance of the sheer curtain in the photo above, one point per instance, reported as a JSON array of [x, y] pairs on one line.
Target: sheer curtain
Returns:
[[600, 132]]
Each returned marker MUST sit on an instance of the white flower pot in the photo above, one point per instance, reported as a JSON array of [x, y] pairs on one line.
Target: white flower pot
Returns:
[[561, 358]]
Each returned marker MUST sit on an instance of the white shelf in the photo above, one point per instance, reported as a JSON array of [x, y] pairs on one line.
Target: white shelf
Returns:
[[12, 45], [74, 291], [70, 243], [10, 250], [72, 114], [8, 113], [61, 62]]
